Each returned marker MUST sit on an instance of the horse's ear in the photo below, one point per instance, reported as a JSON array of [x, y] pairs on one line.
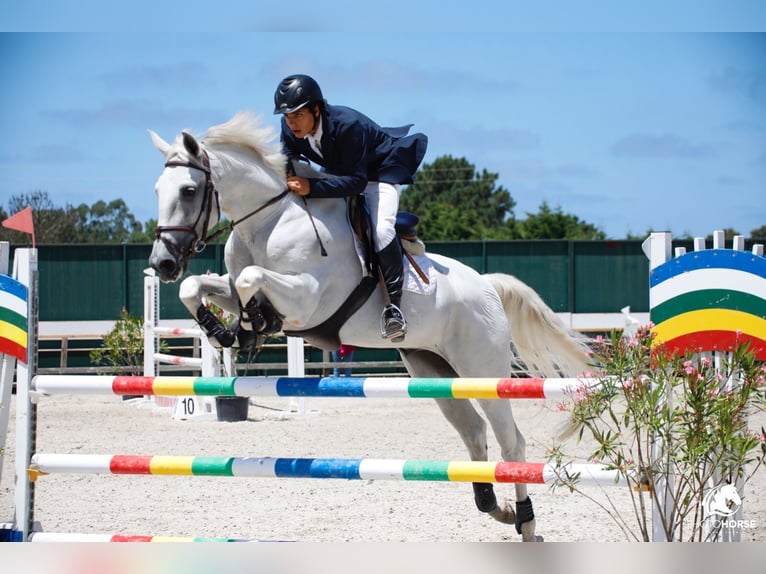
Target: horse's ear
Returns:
[[191, 144], [160, 143]]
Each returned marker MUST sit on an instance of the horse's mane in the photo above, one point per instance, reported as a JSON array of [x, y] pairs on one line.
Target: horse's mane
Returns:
[[246, 129]]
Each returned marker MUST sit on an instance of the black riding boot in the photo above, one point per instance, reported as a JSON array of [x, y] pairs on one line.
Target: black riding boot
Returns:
[[392, 323]]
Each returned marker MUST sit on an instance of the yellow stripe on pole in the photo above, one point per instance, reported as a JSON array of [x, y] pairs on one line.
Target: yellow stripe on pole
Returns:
[[710, 320], [172, 539], [175, 465], [13, 334], [471, 471], [182, 386], [475, 388]]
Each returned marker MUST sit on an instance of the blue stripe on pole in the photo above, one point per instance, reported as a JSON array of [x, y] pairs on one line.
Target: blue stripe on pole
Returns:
[[15, 288], [320, 387], [318, 468], [709, 259]]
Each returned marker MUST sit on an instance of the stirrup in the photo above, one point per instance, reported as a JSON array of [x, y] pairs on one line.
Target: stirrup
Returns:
[[392, 324]]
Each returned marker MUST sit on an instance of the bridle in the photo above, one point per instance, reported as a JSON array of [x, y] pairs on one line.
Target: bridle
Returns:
[[199, 242]]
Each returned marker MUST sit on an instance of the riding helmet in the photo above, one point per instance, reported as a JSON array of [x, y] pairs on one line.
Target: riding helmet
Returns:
[[295, 92]]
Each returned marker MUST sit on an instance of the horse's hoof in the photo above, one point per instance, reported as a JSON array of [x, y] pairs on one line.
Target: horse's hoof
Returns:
[[506, 515], [248, 340]]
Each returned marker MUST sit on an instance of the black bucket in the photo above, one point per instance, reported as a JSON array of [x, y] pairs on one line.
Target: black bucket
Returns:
[[231, 409]]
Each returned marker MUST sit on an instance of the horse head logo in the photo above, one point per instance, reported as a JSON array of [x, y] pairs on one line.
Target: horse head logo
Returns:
[[723, 500]]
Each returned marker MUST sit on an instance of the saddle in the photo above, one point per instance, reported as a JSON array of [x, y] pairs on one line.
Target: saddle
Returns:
[[325, 335]]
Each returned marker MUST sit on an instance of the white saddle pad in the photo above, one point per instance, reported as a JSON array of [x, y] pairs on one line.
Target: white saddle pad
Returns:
[[412, 281]]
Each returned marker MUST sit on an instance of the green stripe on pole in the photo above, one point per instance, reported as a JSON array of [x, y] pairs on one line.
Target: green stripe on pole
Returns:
[[705, 299], [214, 386], [425, 470], [212, 466], [430, 388]]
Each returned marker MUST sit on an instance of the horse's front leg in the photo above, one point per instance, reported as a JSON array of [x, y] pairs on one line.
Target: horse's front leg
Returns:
[[268, 297], [195, 290]]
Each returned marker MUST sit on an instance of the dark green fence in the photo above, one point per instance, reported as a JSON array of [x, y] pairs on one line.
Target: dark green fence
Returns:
[[95, 282]]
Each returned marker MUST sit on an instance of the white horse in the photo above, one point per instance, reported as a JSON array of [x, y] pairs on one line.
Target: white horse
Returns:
[[292, 264]]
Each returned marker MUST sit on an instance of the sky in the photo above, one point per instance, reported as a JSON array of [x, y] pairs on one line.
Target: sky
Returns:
[[629, 118]]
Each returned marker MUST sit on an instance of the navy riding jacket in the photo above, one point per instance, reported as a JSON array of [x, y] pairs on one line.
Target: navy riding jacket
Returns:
[[356, 150]]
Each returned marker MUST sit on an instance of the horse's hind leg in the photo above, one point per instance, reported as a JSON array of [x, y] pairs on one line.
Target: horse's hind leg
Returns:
[[513, 448], [472, 429]]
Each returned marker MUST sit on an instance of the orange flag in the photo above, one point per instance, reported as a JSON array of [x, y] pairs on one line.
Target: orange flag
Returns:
[[22, 221]]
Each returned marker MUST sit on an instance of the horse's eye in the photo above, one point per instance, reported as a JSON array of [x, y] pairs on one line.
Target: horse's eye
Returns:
[[188, 191]]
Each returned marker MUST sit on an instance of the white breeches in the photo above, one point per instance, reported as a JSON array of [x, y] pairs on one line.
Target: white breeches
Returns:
[[383, 203]]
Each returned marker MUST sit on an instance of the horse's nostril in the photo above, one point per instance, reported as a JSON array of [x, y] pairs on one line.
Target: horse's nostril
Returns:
[[167, 268]]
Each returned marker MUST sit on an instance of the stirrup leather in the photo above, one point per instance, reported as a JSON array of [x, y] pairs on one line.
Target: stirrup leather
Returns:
[[392, 323]]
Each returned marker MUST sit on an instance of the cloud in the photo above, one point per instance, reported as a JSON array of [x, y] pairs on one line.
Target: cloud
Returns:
[[579, 171], [57, 153], [745, 127], [732, 80], [729, 181], [129, 113], [479, 140], [373, 75], [659, 147], [178, 75]]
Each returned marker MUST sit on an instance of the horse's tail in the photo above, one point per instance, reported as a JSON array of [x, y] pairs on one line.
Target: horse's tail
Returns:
[[542, 343]]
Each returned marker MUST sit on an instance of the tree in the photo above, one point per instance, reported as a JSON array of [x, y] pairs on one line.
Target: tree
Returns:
[[100, 223], [454, 202], [728, 233], [106, 223], [758, 234], [555, 224], [52, 224]]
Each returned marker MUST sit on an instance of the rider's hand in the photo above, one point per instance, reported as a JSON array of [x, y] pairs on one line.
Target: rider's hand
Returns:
[[298, 185]]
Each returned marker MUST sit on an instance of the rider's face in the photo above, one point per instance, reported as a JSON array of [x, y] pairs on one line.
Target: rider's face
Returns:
[[301, 122]]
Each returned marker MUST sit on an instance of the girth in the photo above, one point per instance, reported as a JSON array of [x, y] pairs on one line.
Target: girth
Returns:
[[325, 335]]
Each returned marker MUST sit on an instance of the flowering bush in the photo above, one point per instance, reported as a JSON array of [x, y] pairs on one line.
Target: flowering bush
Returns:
[[123, 346], [673, 426]]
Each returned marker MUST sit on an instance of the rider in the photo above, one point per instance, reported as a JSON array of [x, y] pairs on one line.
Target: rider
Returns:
[[360, 157]]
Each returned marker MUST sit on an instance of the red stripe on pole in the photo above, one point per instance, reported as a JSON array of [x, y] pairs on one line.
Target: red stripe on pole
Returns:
[[127, 464], [13, 349], [520, 472], [120, 538], [133, 385], [521, 389], [715, 341]]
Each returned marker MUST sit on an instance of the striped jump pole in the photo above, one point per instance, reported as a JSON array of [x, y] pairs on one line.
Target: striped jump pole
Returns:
[[78, 537], [177, 331], [194, 362], [361, 387], [349, 469]]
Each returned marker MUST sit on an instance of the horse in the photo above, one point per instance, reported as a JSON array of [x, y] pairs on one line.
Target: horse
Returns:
[[292, 265]]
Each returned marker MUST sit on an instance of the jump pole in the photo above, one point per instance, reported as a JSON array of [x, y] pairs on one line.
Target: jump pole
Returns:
[[79, 537], [22, 285], [359, 387], [317, 468]]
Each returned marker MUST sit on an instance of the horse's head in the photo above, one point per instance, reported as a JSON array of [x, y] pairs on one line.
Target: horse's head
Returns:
[[186, 197]]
